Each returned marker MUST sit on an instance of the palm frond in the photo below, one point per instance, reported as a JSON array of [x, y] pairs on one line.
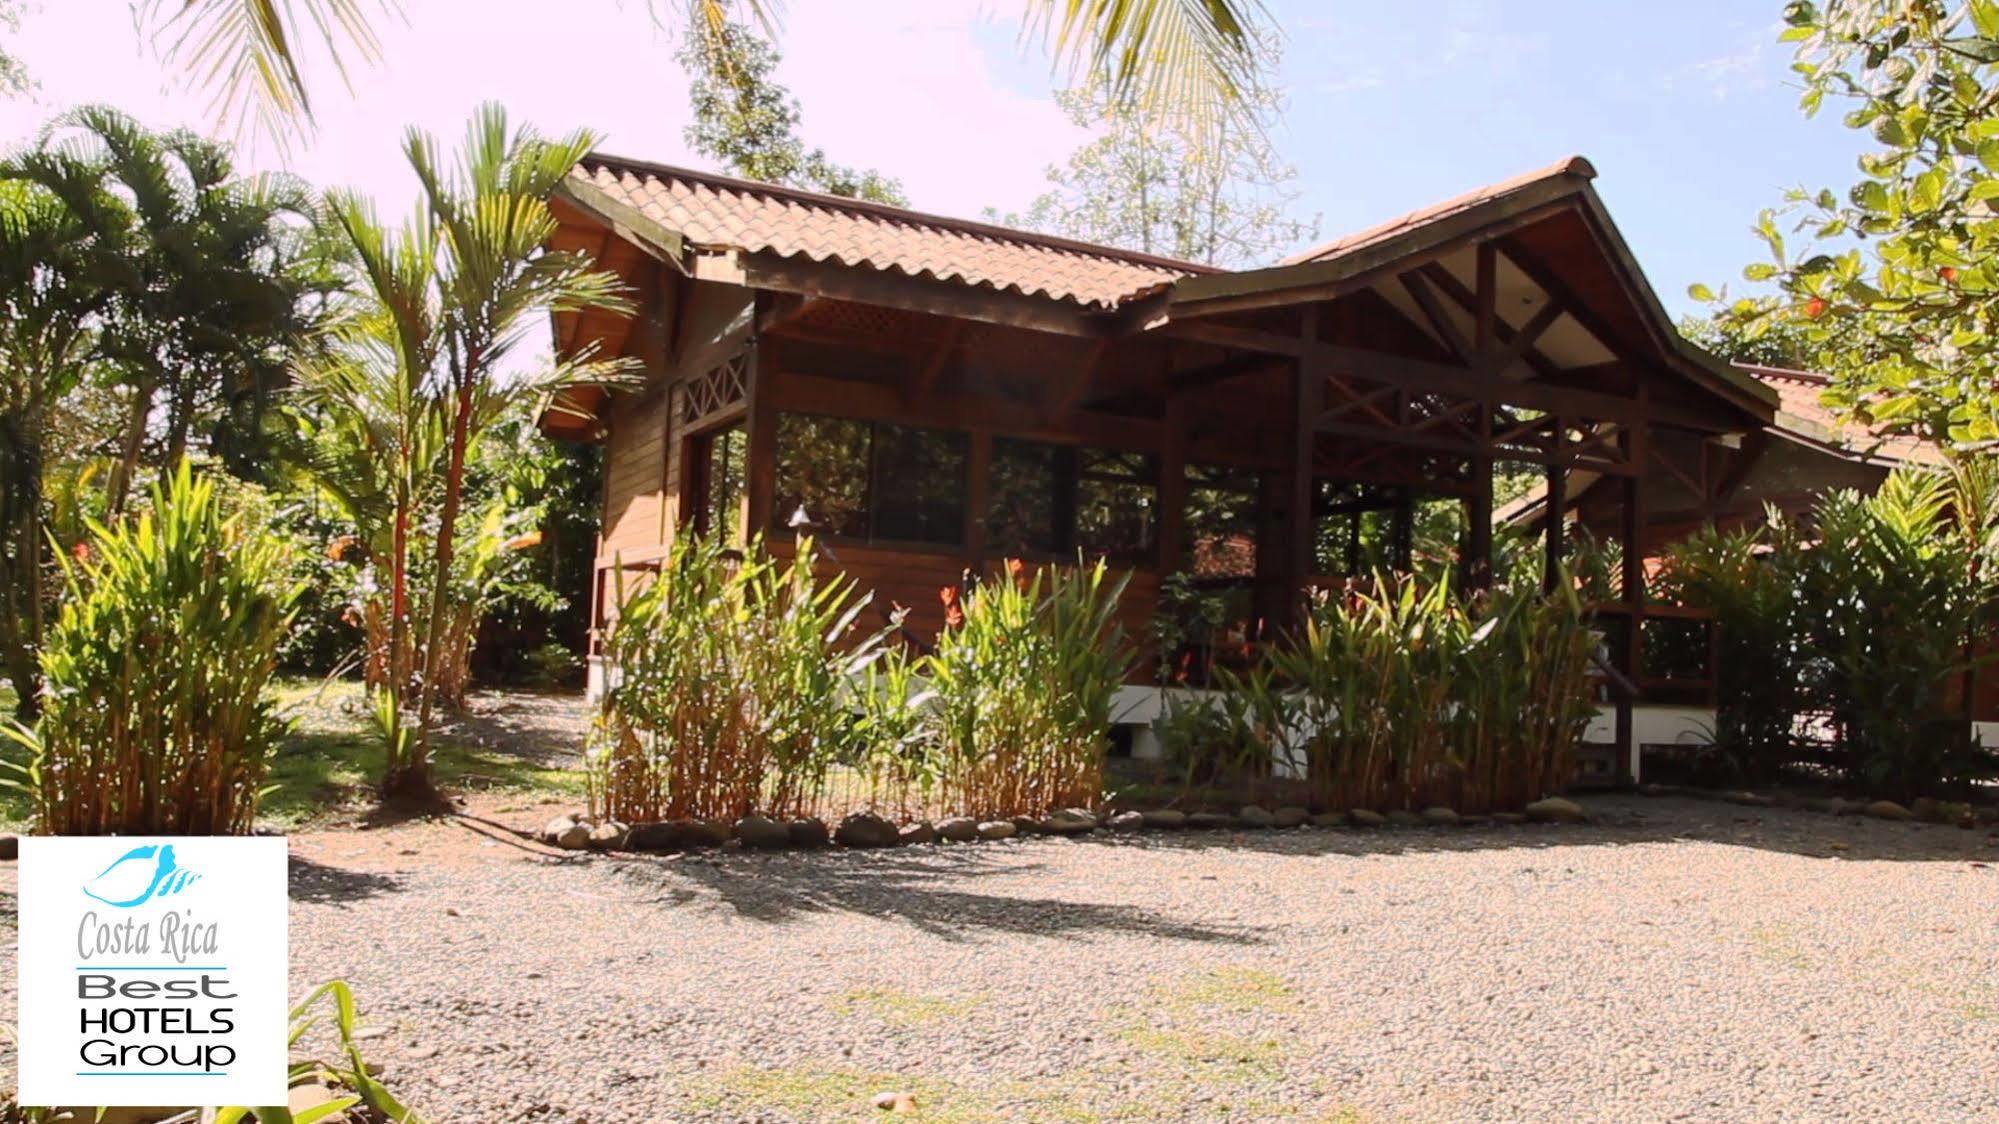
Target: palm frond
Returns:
[[1190, 59]]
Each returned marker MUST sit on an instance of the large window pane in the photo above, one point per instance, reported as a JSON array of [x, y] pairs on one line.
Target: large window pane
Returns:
[[722, 465], [1020, 509], [1117, 504], [919, 485], [822, 466], [1221, 522]]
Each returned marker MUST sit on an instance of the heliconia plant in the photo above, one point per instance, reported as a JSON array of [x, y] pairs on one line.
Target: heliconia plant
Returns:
[[155, 718], [731, 686]]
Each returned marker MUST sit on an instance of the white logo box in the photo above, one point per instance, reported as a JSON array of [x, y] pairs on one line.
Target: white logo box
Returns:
[[153, 971]]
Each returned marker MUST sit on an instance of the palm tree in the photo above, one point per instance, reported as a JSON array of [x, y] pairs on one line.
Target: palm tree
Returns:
[[1197, 57], [424, 365], [221, 285], [58, 266]]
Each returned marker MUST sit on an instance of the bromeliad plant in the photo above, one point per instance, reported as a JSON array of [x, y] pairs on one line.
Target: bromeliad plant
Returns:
[[155, 720], [730, 689], [1023, 689]]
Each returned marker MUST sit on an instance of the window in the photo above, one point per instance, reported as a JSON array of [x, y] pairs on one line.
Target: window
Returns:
[[1057, 500], [869, 480], [1221, 521], [721, 473]]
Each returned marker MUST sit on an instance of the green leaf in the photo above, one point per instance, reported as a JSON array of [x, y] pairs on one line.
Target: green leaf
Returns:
[[1700, 292], [1758, 271]]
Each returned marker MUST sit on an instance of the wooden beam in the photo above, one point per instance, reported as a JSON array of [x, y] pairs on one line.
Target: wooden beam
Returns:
[[1559, 292], [1522, 343], [1172, 485], [917, 389], [1309, 400], [1503, 332], [939, 298], [1454, 340], [1070, 393], [1556, 509], [1485, 297]]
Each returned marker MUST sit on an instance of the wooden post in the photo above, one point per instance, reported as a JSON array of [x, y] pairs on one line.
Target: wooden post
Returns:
[[1557, 510], [1173, 485], [1309, 391], [1476, 563], [760, 429], [1403, 531], [978, 465], [1631, 581]]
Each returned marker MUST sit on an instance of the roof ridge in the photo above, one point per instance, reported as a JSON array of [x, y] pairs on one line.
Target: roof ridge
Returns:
[[1577, 166], [906, 215]]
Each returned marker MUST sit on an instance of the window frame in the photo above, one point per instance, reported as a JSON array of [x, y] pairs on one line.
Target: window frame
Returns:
[[781, 529], [1070, 471]]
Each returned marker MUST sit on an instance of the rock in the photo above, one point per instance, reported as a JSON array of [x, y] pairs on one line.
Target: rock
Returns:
[[1166, 819], [1749, 799], [303, 1098], [809, 831], [895, 1102], [1554, 809], [553, 830], [676, 835], [998, 829], [918, 832], [1026, 825], [10, 848], [1361, 817], [1069, 821], [1474, 820], [762, 832], [1210, 821], [608, 836], [1508, 819], [575, 837], [1255, 816], [1888, 810], [1654, 788], [865, 829], [1291, 815], [1927, 810], [1126, 821], [1403, 817], [1831, 806], [1330, 819], [1441, 816], [958, 829]]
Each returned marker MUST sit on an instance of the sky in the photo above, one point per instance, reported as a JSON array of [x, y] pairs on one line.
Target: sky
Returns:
[[1687, 109]]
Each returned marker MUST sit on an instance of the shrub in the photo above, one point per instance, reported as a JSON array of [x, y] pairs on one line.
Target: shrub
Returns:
[[1408, 695], [1023, 687], [154, 716], [730, 687], [1748, 577]]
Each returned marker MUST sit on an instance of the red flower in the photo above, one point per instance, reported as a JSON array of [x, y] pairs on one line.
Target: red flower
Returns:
[[338, 548], [80, 552], [1949, 274], [953, 614], [1815, 308]]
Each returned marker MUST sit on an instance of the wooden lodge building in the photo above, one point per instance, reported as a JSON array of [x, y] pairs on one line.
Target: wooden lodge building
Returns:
[[931, 395]]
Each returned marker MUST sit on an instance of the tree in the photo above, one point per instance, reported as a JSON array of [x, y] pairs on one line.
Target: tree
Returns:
[[422, 368], [1165, 185], [220, 282], [1897, 287], [14, 79], [747, 122], [55, 277]]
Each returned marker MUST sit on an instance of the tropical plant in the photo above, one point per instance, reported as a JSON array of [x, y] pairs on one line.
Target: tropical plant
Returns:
[[155, 719], [1748, 578], [1895, 288], [1023, 685], [55, 278], [219, 281], [732, 686], [1195, 56], [420, 371]]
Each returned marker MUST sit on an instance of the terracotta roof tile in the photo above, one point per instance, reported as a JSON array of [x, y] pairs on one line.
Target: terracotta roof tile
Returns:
[[1798, 393], [716, 212]]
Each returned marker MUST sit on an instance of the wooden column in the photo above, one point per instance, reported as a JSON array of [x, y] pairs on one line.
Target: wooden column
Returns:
[[1309, 397], [1631, 582], [1557, 510], [978, 466], [1475, 565], [1173, 485], [761, 428]]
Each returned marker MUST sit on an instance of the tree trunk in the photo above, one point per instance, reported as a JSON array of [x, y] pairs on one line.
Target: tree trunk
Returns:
[[447, 527], [122, 473]]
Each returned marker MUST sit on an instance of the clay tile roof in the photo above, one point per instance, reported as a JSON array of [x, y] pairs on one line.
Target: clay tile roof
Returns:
[[1800, 412], [719, 213], [1347, 243]]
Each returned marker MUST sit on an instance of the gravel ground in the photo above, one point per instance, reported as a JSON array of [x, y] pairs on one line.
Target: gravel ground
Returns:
[[1681, 961]]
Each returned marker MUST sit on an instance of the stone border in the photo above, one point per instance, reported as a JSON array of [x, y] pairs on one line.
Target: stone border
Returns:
[[865, 830], [1923, 810]]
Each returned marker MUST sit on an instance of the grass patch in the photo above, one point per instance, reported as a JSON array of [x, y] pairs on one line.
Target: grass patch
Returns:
[[1232, 988], [904, 1008], [812, 1093], [1210, 1057]]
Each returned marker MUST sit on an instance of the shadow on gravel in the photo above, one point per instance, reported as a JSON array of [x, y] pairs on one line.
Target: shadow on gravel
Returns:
[[544, 729], [923, 886], [330, 885], [1618, 821]]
